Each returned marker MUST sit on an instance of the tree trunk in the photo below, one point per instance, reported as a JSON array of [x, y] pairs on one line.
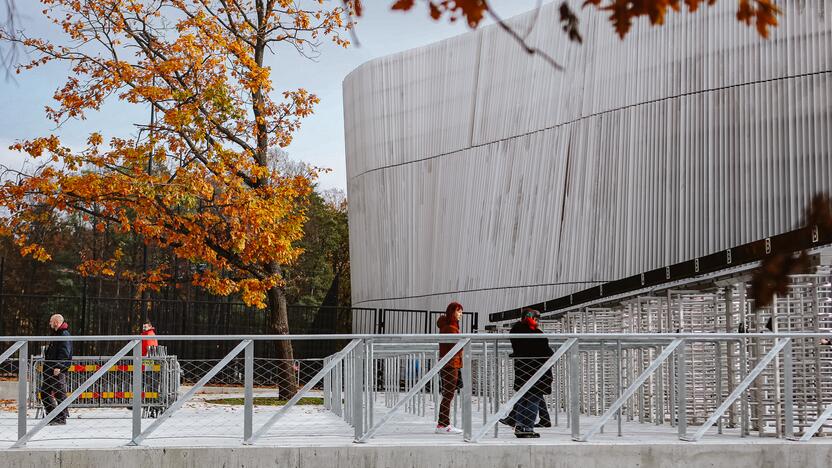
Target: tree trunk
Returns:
[[279, 325]]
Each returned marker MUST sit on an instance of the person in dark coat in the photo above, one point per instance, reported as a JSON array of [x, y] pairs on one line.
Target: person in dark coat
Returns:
[[529, 356], [57, 359], [449, 375]]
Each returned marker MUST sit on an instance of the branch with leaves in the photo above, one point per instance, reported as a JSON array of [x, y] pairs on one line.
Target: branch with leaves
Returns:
[[622, 14]]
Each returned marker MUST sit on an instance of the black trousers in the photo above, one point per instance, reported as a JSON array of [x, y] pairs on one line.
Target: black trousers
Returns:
[[53, 393], [542, 411]]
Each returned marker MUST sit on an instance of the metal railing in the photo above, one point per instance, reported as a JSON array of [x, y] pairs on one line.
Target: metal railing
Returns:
[[389, 386]]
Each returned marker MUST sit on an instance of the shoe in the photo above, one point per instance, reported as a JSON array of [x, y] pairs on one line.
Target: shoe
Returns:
[[448, 430], [57, 422], [544, 424], [507, 421], [525, 433]]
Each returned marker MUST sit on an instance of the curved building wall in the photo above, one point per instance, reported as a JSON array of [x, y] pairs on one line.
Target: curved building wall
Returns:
[[481, 174]]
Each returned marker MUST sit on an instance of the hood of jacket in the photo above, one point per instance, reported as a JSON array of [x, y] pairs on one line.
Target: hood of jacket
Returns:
[[64, 326]]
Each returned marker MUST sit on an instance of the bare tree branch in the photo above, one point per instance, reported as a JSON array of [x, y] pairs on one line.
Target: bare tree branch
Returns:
[[521, 40], [8, 57]]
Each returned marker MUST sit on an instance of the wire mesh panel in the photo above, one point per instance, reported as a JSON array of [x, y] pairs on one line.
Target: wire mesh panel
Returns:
[[8, 394]]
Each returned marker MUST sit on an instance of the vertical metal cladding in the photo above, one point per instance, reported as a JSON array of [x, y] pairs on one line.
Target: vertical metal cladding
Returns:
[[475, 167]]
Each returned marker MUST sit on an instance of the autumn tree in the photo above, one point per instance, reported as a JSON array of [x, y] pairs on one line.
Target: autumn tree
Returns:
[[197, 181]]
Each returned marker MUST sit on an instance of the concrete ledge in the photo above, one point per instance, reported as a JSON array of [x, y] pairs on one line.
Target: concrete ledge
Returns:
[[453, 455]]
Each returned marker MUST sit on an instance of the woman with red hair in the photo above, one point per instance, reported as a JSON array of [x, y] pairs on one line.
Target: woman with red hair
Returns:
[[449, 323]]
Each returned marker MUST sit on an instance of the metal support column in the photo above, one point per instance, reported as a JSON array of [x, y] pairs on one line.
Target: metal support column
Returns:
[[22, 388], [466, 391], [137, 392], [248, 393], [574, 391], [358, 391]]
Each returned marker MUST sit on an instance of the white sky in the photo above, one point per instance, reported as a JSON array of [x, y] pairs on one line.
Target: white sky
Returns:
[[320, 140]]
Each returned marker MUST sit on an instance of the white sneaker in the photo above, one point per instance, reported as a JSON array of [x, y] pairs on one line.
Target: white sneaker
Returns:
[[448, 430]]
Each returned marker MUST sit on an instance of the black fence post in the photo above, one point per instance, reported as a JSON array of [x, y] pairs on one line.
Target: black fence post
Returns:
[[380, 322], [83, 324]]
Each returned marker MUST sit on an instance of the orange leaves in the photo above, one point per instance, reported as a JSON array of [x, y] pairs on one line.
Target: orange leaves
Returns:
[[36, 147], [624, 12], [36, 251], [472, 10], [764, 11], [403, 5], [94, 139], [302, 20]]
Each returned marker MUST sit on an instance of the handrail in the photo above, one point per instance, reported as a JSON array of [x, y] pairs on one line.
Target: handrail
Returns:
[[401, 367], [439, 338]]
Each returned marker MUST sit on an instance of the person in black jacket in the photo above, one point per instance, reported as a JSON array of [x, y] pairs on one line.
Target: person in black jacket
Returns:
[[529, 356], [56, 359]]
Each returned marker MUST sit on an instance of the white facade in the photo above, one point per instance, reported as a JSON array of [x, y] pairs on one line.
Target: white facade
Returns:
[[481, 174]]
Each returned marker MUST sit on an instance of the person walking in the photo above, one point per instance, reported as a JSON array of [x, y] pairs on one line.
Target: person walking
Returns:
[[529, 356], [450, 374], [148, 330], [56, 361]]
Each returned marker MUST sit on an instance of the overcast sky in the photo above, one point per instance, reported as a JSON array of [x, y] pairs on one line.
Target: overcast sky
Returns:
[[321, 139]]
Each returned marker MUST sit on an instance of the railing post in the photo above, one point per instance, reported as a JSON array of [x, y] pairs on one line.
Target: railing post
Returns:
[[466, 391], [620, 384], [137, 392], [788, 391], [370, 381], [718, 369], [495, 394], [574, 392], [248, 384], [357, 391], [22, 389], [681, 391], [744, 406]]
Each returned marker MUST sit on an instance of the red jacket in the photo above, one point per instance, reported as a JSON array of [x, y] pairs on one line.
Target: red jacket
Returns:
[[447, 325], [147, 343]]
